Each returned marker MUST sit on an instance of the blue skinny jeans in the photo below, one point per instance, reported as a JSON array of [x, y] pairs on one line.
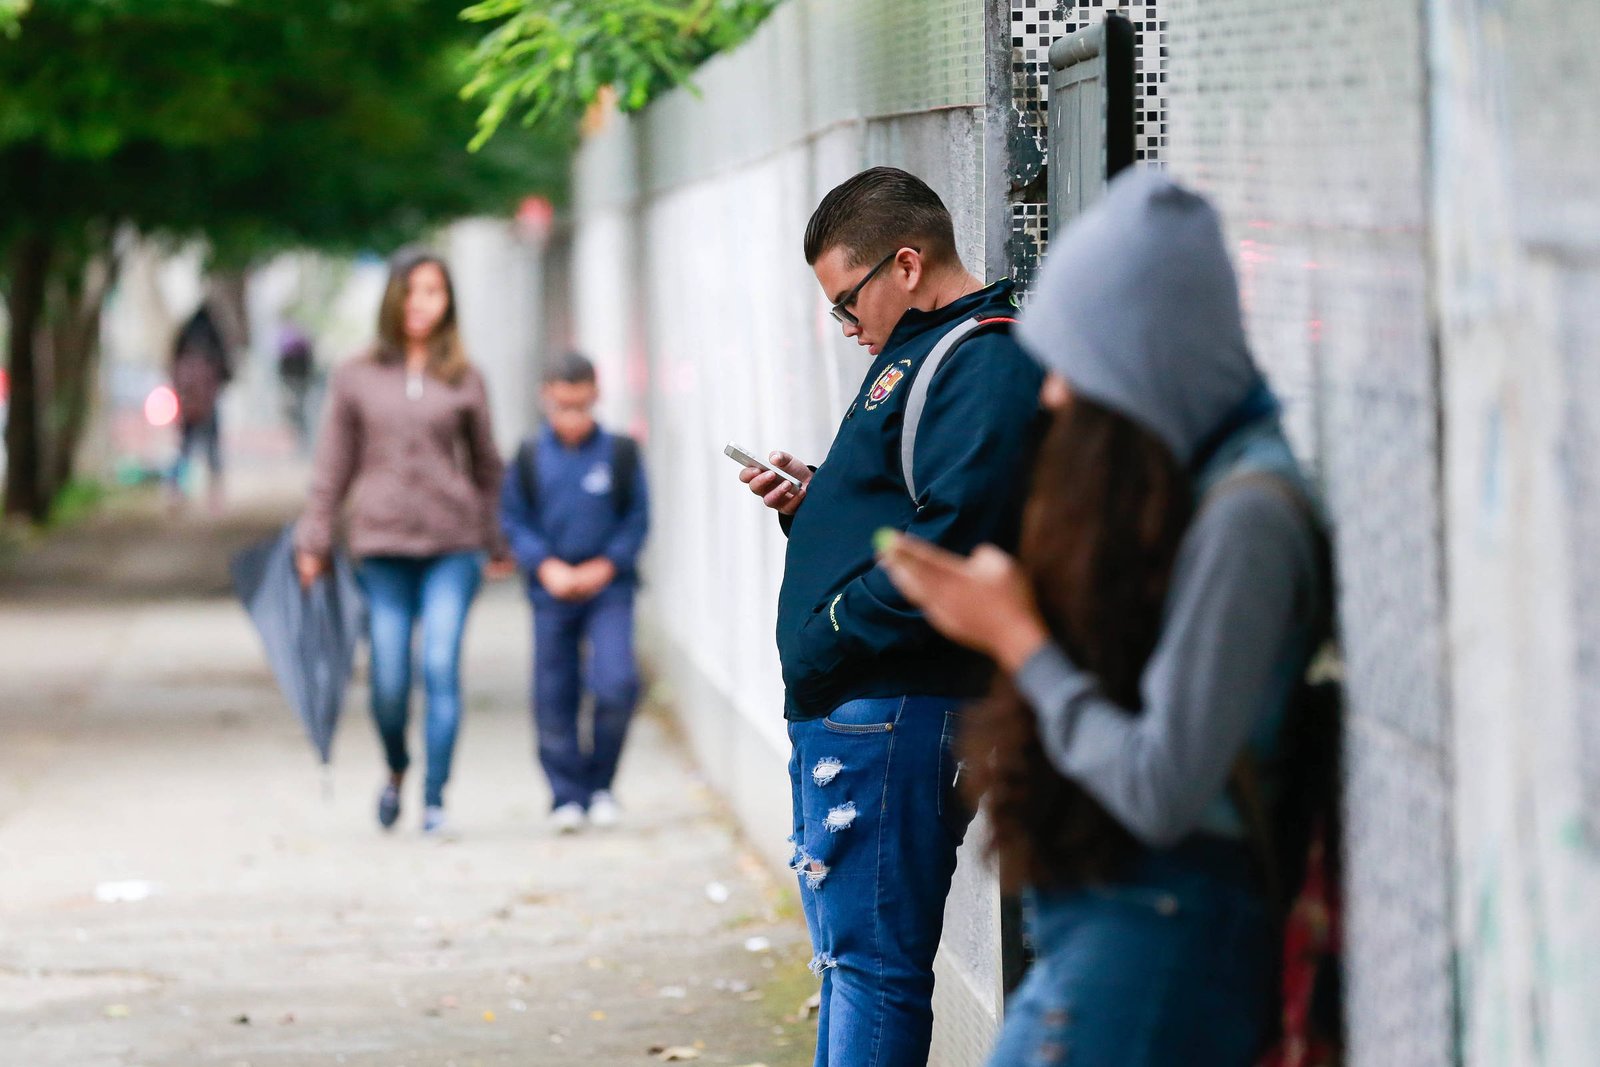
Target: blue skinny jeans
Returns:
[[436, 591], [1170, 965]]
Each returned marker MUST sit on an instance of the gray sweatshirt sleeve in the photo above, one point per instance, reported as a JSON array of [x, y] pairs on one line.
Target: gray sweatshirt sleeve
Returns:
[[1244, 577]]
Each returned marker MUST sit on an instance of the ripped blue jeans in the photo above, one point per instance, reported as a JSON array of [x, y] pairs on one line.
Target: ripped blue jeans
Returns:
[[877, 821]]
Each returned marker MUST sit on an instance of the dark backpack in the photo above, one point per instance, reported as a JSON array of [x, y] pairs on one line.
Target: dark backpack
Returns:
[[1298, 845], [624, 472]]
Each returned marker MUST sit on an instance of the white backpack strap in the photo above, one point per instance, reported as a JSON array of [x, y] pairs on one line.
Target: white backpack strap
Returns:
[[917, 399]]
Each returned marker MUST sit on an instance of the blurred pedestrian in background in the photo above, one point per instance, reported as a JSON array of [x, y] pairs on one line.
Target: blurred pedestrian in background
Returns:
[[201, 369], [1149, 640], [575, 511], [407, 440], [296, 372]]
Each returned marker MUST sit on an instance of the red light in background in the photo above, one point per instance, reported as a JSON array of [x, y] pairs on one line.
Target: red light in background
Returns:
[[535, 216], [161, 406]]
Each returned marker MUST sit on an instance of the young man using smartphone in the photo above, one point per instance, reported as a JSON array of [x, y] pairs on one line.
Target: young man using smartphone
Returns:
[[937, 442]]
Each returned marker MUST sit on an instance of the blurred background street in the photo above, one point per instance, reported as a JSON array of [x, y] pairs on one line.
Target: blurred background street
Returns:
[[179, 888]]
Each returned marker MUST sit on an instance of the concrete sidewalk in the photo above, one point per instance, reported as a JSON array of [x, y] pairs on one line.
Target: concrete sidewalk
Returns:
[[144, 750]]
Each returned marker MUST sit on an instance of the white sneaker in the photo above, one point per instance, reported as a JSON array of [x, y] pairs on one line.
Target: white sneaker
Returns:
[[434, 823], [603, 809], [568, 818]]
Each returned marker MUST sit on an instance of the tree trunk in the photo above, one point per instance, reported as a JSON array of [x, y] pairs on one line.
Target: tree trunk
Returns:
[[75, 347], [24, 492]]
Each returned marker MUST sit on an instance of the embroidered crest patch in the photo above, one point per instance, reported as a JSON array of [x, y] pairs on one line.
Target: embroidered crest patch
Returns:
[[891, 377], [598, 480]]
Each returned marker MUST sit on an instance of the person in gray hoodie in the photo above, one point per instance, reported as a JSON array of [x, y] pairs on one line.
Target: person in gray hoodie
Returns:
[[1149, 635]]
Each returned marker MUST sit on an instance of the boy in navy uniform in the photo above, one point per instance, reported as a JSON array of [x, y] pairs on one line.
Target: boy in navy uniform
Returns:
[[937, 442], [575, 511]]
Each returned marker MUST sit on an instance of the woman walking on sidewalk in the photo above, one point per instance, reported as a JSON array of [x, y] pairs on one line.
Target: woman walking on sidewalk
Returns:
[[1169, 589], [407, 439]]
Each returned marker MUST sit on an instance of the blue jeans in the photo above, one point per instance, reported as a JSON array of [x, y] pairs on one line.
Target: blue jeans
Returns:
[[877, 821], [1170, 965], [437, 590], [561, 672], [205, 437]]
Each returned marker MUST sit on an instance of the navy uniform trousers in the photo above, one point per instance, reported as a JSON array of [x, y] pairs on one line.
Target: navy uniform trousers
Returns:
[[578, 648]]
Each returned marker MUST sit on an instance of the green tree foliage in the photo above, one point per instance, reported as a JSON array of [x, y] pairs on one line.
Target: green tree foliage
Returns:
[[551, 59], [255, 124], [10, 11]]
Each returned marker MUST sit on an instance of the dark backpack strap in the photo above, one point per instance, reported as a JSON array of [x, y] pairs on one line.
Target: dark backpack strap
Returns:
[[1279, 872], [624, 472], [917, 398], [528, 471]]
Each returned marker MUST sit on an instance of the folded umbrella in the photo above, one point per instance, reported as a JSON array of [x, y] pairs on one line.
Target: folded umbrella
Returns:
[[310, 635]]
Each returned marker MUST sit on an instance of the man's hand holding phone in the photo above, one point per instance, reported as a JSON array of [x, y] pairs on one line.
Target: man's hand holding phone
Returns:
[[780, 483]]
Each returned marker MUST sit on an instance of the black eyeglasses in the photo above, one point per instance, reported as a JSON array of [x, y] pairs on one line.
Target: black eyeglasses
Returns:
[[839, 311]]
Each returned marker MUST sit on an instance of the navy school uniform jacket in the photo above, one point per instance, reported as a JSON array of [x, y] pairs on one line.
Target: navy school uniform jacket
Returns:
[[574, 518], [844, 631]]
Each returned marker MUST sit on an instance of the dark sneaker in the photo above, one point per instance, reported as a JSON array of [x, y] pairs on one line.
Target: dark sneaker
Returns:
[[389, 806]]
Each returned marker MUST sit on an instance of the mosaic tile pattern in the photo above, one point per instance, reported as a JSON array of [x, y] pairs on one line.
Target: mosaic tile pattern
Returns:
[[1035, 24]]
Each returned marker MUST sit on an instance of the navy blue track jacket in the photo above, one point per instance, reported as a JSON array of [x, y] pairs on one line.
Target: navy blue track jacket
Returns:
[[844, 631], [575, 517]]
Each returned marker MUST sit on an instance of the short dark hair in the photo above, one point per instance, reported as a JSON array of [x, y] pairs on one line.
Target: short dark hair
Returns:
[[570, 368], [876, 212]]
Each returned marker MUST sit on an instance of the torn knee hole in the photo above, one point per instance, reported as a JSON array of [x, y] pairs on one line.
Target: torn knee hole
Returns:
[[840, 817], [826, 770], [822, 961], [814, 871]]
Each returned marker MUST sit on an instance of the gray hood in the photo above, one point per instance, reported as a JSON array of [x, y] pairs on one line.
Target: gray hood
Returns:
[[1137, 307]]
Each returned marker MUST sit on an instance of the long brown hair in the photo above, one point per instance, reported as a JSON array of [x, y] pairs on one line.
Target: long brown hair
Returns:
[[447, 357], [1107, 509]]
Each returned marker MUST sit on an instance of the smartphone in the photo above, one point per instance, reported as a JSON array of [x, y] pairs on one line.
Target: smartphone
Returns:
[[743, 457]]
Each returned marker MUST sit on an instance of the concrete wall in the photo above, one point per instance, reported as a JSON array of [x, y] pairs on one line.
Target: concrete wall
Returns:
[[496, 274], [1516, 220], [691, 292]]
